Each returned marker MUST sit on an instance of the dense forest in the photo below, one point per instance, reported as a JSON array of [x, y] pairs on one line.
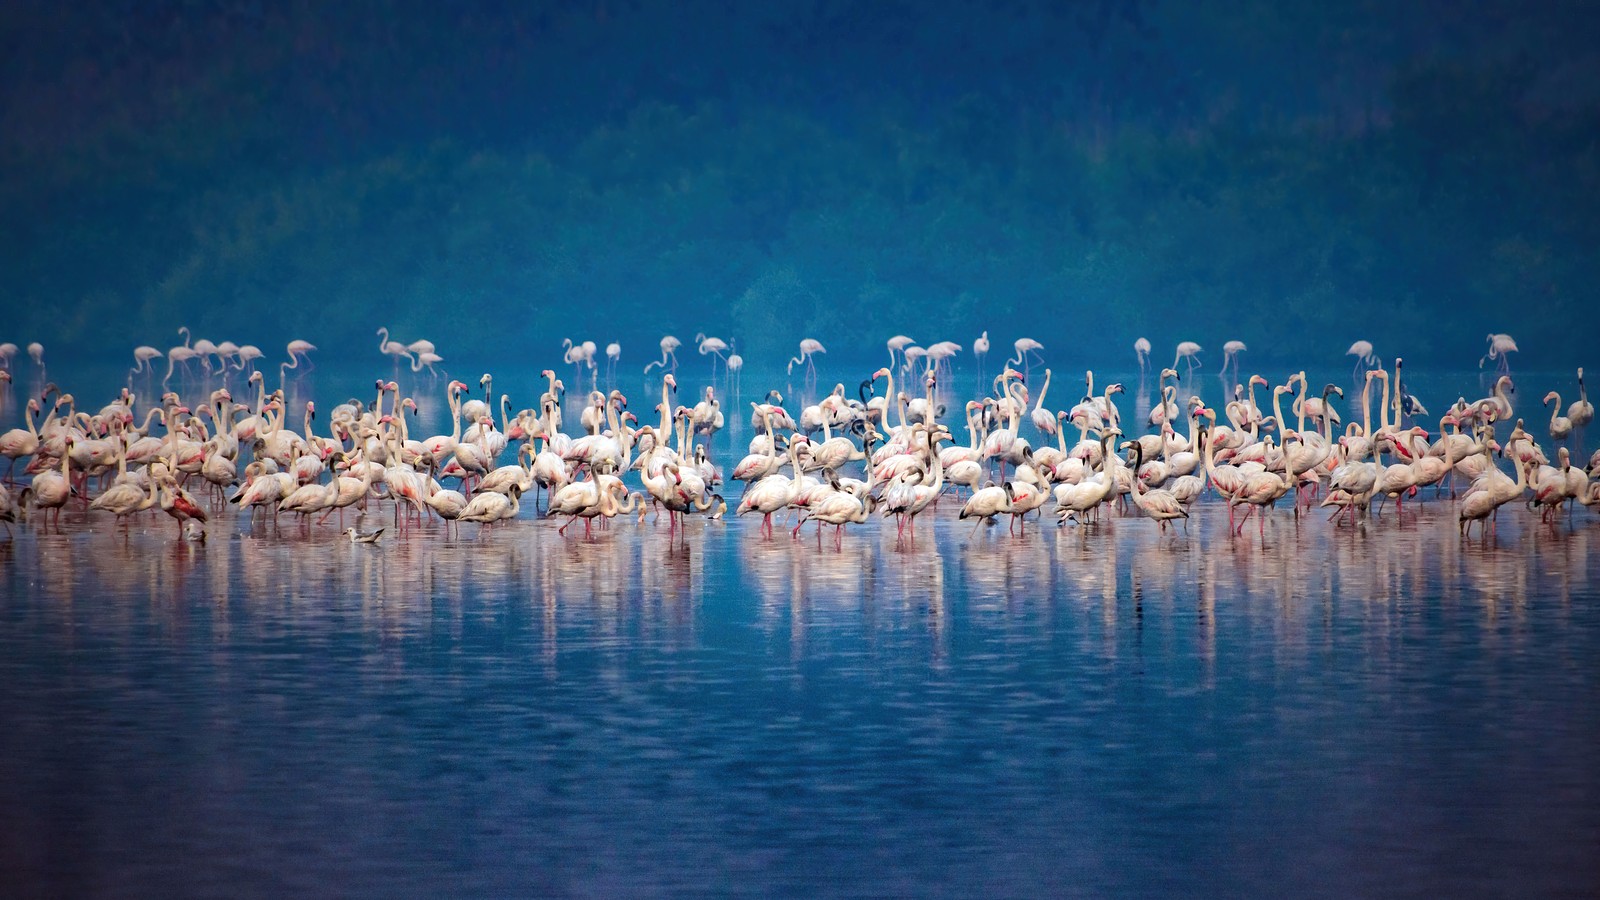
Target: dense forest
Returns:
[[498, 177]]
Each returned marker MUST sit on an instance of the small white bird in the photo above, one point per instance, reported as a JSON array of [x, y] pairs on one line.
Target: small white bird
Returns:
[[363, 537]]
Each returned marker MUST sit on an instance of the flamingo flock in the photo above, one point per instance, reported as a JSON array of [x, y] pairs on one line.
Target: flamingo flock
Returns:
[[891, 451]]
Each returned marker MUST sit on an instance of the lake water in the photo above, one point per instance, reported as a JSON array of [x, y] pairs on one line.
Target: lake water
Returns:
[[1328, 711]]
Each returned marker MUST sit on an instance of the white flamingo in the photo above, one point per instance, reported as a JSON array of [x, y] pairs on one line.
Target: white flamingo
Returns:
[[1187, 351], [1499, 346], [1362, 351], [669, 351]]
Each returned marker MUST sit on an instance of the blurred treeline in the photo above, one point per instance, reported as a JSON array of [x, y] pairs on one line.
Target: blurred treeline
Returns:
[[496, 179]]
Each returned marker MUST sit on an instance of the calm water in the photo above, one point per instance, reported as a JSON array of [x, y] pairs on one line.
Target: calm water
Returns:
[[1079, 711]]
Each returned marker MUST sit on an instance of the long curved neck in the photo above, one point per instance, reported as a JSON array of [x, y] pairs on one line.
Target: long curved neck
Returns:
[[383, 339], [1043, 389], [1300, 405], [1555, 408], [1396, 400], [938, 464], [1366, 408], [1088, 390], [795, 483], [1383, 424]]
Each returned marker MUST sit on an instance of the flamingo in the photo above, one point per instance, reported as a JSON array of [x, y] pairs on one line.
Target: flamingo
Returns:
[[1043, 419], [300, 348], [669, 347], [20, 442], [1489, 492], [36, 351], [1499, 346], [1141, 350], [393, 349], [735, 366], [613, 353], [987, 503], [898, 344], [446, 503], [425, 360], [1362, 351], [1187, 351], [808, 348], [177, 503], [1024, 347], [488, 507], [980, 350], [247, 355], [576, 355], [179, 355], [1161, 505], [1560, 426], [8, 350], [142, 357], [775, 491], [52, 489], [1581, 412], [1230, 353], [838, 509]]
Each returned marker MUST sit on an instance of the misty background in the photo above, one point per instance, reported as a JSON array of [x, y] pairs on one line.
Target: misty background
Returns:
[[498, 176]]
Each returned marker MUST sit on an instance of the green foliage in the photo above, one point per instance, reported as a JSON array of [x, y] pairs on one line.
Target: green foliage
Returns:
[[1460, 214]]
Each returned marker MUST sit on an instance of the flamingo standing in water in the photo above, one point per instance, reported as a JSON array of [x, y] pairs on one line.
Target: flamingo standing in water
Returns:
[[669, 348], [248, 354], [980, 349], [1024, 347], [714, 347], [735, 365], [1362, 351], [808, 348], [613, 353], [1141, 349], [298, 350], [1581, 412], [1230, 353], [1499, 346], [36, 350], [142, 357], [393, 349], [1187, 350]]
